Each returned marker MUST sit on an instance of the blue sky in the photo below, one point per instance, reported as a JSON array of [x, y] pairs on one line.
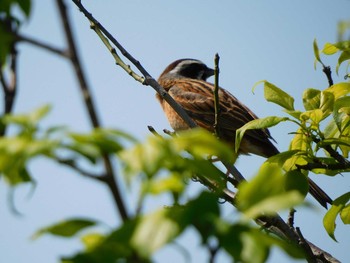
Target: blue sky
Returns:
[[256, 40]]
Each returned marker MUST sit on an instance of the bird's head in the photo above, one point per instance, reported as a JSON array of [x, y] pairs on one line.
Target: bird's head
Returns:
[[187, 68]]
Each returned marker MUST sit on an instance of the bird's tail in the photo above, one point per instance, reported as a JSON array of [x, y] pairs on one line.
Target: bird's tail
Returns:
[[319, 194]]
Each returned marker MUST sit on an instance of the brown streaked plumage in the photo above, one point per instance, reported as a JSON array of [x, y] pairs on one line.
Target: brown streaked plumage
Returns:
[[185, 81]]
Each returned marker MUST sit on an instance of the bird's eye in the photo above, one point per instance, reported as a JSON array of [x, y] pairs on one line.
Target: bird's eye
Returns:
[[193, 71]]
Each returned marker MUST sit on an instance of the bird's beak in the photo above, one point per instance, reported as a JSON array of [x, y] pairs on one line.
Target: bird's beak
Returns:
[[209, 72]]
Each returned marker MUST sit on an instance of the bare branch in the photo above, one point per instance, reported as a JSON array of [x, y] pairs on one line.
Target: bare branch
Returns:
[[327, 70], [216, 95], [37, 43], [70, 163], [85, 91], [148, 79], [9, 88]]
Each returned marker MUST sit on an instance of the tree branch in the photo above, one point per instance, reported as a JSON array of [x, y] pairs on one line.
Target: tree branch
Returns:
[[327, 70], [9, 88], [85, 91], [148, 79], [70, 163], [37, 43], [273, 224], [216, 95]]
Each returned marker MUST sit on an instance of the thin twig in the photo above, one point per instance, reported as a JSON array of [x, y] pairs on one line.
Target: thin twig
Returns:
[[327, 70], [37, 43], [213, 251], [9, 88], [114, 53], [333, 153], [70, 163], [148, 79], [291, 217], [216, 95], [307, 249], [153, 131], [85, 91]]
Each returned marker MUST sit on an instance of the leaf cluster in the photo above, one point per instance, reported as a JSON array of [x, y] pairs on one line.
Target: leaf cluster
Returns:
[[9, 22]]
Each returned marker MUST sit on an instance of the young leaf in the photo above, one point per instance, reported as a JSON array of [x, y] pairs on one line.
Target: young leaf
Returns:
[[274, 94], [316, 53], [345, 55], [311, 99], [266, 193], [329, 219], [312, 117], [202, 143], [67, 228], [27, 120], [173, 183], [92, 240], [329, 49], [341, 118], [154, 231], [326, 103], [345, 214], [257, 124], [296, 180], [339, 89]]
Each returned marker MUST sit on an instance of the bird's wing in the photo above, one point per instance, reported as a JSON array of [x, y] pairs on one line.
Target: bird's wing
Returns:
[[196, 97]]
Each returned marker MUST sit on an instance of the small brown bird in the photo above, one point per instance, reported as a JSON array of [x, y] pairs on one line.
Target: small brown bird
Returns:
[[185, 81]]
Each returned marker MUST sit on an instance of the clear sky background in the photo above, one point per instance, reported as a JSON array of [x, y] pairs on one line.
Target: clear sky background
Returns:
[[256, 40]]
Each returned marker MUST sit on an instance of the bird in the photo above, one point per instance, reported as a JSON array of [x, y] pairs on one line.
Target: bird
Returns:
[[185, 80]]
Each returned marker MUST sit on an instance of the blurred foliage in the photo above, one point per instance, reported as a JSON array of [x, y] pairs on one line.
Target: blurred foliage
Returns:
[[10, 22], [164, 165]]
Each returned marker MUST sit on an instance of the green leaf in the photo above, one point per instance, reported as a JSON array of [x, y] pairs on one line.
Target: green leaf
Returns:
[[6, 41], [345, 214], [201, 143], [344, 56], [115, 246], [149, 157], [25, 6], [274, 94], [251, 245], [28, 120], [331, 130], [159, 153], [294, 113], [314, 99], [337, 206], [98, 142], [265, 193], [67, 228], [15, 153], [329, 49], [339, 89], [154, 231], [326, 103], [282, 157], [316, 53], [162, 227], [173, 183], [312, 117], [90, 152], [300, 141], [341, 118], [206, 205], [311, 99], [257, 124], [296, 180], [92, 240]]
